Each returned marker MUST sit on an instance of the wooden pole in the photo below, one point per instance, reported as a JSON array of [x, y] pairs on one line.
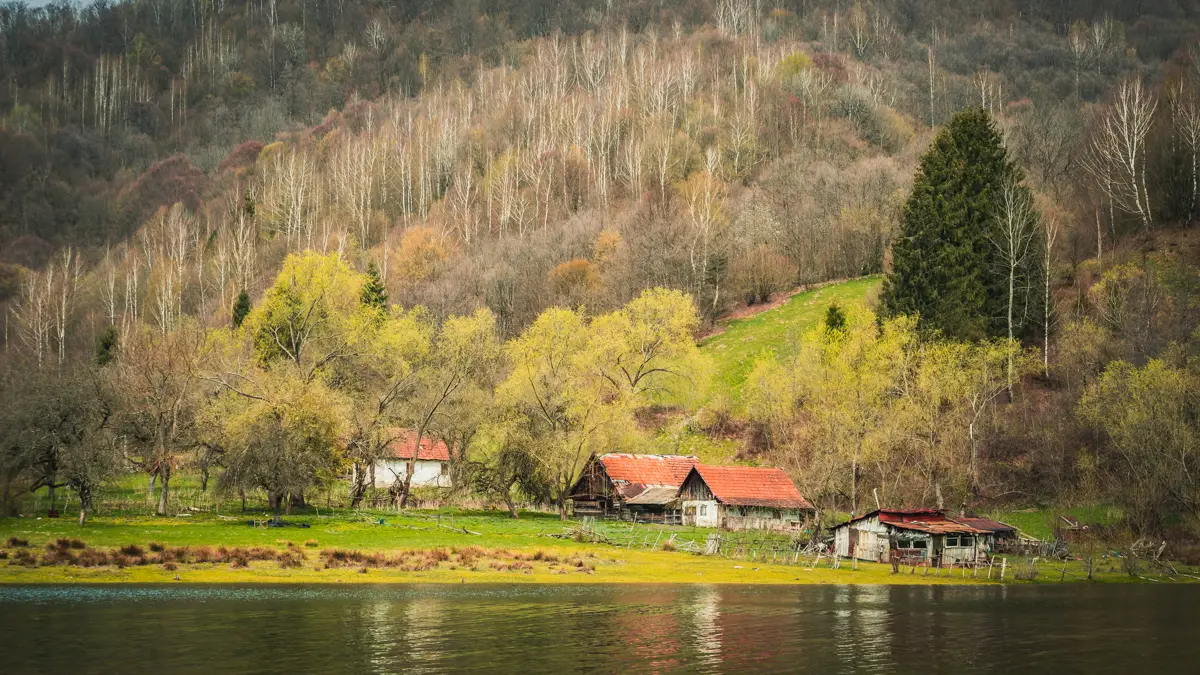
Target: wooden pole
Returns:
[[1003, 567]]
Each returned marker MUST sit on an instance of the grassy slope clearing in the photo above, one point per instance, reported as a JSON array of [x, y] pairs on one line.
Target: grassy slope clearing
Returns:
[[735, 347]]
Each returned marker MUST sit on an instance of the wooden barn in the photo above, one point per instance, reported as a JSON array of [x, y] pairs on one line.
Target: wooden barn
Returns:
[[631, 487], [741, 497], [918, 536]]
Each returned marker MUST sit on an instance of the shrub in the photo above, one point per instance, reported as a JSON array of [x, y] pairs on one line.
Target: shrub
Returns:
[[156, 547], [468, 555], [132, 550], [311, 543], [57, 556], [170, 567], [14, 542], [290, 559], [205, 554], [92, 558]]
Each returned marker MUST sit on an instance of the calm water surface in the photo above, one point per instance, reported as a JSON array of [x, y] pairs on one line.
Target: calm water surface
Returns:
[[598, 629]]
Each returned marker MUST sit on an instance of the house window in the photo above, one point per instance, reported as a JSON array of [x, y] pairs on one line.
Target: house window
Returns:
[[445, 468], [966, 542], [703, 510]]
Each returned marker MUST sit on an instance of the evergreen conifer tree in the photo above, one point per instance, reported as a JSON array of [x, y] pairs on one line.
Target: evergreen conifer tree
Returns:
[[374, 294], [106, 346], [240, 309], [944, 265], [835, 318]]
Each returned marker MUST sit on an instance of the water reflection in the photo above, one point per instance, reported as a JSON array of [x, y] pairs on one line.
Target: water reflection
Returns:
[[707, 632], [587, 629]]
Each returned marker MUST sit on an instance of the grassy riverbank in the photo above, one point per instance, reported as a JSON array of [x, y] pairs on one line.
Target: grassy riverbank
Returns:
[[450, 547]]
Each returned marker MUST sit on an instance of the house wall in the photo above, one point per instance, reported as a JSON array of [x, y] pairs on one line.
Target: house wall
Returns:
[[701, 512], [870, 540], [965, 553], [758, 518], [426, 473]]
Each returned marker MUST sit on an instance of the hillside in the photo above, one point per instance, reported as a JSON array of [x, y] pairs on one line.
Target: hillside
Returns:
[[250, 240], [736, 343]]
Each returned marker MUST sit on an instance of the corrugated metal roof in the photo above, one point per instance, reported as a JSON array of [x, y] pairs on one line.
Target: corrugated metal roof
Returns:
[[655, 496], [752, 486], [647, 470], [984, 523], [931, 521], [433, 450]]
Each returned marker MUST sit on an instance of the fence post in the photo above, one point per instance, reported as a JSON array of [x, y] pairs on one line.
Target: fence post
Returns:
[[1003, 567]]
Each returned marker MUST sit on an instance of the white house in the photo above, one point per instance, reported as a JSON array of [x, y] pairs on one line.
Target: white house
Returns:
[[741, 497], [432, 468]]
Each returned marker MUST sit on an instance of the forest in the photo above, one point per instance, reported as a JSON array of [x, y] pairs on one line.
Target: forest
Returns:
[[250, 240]]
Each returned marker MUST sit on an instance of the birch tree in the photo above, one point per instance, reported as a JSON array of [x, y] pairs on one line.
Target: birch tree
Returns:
[[1117, 154], [1014, 235]]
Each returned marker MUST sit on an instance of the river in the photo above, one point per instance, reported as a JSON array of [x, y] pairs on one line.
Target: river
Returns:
[[598, 629]]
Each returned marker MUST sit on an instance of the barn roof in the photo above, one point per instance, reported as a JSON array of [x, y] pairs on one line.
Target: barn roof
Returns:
[[987, 524], [432, 450], [931, 521], [751, 486], [647, 470]]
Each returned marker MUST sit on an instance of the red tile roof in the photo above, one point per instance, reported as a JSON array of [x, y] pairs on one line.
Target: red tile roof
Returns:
[[657, 470], [752, 486], [433, 450]]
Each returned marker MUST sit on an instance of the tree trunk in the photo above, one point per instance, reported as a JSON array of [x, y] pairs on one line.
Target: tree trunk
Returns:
[[85, 504], [162, 493], [409, 468], [508, 500], [359, 489], [1012, 273], [50, 494]]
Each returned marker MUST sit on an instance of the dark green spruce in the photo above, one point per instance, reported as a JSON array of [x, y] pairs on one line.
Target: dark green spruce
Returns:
[[374, 294], [241, 307], [106, 346], [946, 266]]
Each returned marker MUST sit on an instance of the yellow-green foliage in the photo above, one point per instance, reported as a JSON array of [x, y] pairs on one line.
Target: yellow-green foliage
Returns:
[[875, 401], [792, 64], [310, 310]]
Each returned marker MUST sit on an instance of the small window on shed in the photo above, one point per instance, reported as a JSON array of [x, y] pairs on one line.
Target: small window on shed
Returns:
[[966, 541], [951, 541], [919, 543], [445, 468], [703, 510]]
